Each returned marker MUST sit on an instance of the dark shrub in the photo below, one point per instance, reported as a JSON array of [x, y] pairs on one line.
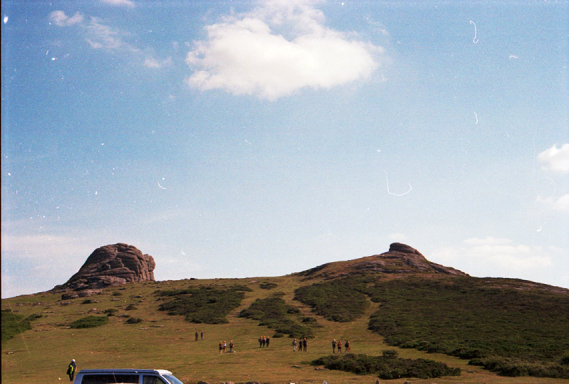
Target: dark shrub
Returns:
[[134, 320], [110, 311], [387, 366], [338, 300], [204, 304], [90, 322]]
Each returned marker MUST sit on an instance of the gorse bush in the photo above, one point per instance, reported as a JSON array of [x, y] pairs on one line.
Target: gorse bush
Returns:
[[90, 322], [387, 366], [338, 300], [468, 317], [473, 319], [274, 313], [204, 304]]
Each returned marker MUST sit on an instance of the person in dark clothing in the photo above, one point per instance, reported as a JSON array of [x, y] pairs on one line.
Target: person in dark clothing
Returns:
[[339, 347], [305, 344], [196, 335], [267, 341], [202, 335], [71, 369], [347, 345]]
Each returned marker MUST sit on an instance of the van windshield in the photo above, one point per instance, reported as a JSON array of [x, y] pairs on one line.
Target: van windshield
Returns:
[[172, 379]]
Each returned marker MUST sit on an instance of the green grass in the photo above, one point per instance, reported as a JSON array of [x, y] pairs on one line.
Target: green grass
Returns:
[[13, 324]]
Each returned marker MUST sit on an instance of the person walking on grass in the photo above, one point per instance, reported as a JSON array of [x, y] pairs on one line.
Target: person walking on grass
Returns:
[[339, 346], [201, 334], [196, 335], [224, 346], [71, 369], [305, 344], [334, 346], [231, 345], [294, 345], [347, 345], [220, 347], [267, 341]]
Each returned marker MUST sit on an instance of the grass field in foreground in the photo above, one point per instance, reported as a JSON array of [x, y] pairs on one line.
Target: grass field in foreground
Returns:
[[162, 341]]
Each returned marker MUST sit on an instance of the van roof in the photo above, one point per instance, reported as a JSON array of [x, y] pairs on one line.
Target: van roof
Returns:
[[126, 370]]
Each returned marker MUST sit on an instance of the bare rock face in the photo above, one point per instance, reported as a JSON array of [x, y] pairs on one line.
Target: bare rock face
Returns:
[[400, 259], [112, 265]]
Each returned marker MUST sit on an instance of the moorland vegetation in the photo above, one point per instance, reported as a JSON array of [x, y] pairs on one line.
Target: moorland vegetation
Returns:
[[511, 327]]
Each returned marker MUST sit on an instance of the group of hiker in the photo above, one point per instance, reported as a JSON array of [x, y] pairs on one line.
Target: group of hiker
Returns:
[[338, 345], [264, 341], [199, 334], [223, 347], [302, 345]]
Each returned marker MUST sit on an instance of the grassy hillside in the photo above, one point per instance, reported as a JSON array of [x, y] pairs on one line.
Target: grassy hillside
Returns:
[[160, 340]]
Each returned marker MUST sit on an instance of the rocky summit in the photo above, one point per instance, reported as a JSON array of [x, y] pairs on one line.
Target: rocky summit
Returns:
[[400, 259], [111, 265]]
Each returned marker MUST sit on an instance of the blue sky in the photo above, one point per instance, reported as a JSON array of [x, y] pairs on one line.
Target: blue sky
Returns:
[[248, 139]]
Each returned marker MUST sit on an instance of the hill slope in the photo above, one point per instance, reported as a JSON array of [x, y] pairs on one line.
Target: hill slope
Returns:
[[432, 314]]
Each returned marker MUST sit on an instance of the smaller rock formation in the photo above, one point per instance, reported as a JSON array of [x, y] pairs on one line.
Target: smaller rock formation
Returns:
[[111, 265], [400, 259]]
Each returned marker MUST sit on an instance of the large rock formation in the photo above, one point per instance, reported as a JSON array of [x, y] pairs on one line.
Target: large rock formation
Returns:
[[112, 265], [400, 259]]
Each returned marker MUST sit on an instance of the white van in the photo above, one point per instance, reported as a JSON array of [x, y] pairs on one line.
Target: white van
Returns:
[[131, 376]]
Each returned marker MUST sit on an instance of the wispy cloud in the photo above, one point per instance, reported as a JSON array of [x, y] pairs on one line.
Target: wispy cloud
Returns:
[[498, 254], [62, 20], [152, 62], [120, 3], [98, 34], [555, 159], [277, 49]]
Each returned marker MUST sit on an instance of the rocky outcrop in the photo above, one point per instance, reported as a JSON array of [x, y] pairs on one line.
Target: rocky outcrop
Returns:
[[111, 265], [400, 259]]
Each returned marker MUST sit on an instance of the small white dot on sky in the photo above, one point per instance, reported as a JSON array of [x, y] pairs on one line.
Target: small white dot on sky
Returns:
[[5, 19]]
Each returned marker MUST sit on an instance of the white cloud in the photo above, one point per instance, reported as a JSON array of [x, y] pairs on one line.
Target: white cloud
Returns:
[[126, 3], [98, 34], [555, 159], [62, 20], [103, 36], [277, 49], [151, 62], [561, 204], [498, 255]]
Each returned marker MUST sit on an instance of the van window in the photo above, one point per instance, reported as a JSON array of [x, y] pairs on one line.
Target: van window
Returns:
[[152, 380], [109, 379]]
